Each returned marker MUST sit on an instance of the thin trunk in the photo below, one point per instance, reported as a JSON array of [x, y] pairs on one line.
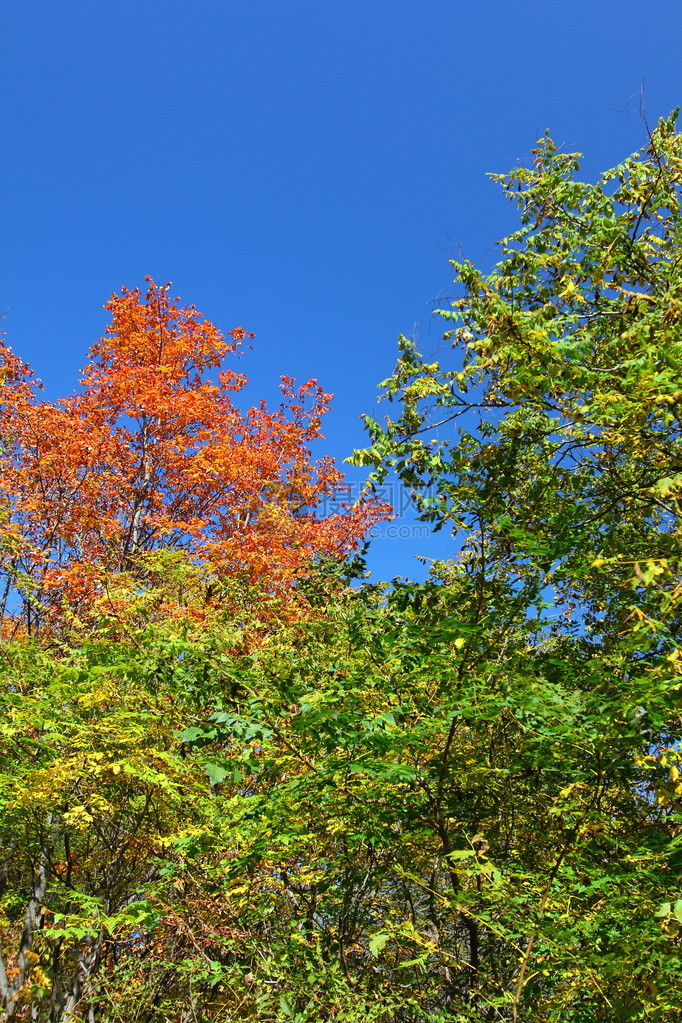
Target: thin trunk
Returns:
[[6, 865], [468, 922], [87, 964], [3, 601], [141, 491], [9, 989], [55, 994]]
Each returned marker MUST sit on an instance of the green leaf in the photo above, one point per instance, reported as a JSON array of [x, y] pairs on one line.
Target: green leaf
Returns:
[[378, 942], [216, 773]]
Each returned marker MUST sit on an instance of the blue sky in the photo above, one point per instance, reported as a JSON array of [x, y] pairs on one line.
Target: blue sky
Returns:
[[302, 169]]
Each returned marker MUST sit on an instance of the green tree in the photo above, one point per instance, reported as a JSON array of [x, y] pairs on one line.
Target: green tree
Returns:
[[551, 443], [456, 809], [94, 792]]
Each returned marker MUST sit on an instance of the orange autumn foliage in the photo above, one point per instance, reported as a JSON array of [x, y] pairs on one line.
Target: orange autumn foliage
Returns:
[[152, 453]]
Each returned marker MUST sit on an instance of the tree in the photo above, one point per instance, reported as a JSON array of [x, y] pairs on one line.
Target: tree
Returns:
[[552, 445], [458, 809], [566, 390], [93, 788], [153, 454]]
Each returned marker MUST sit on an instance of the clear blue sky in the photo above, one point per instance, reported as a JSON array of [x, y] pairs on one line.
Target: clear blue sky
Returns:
[[303, 169]]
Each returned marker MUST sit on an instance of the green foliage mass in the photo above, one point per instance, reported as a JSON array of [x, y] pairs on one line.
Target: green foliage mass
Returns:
[[452, 801]]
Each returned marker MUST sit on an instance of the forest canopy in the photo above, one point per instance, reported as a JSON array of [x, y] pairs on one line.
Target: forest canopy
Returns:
[[238, 779]]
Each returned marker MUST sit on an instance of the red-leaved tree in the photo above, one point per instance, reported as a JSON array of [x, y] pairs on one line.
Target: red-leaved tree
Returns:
[[153, 453]]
